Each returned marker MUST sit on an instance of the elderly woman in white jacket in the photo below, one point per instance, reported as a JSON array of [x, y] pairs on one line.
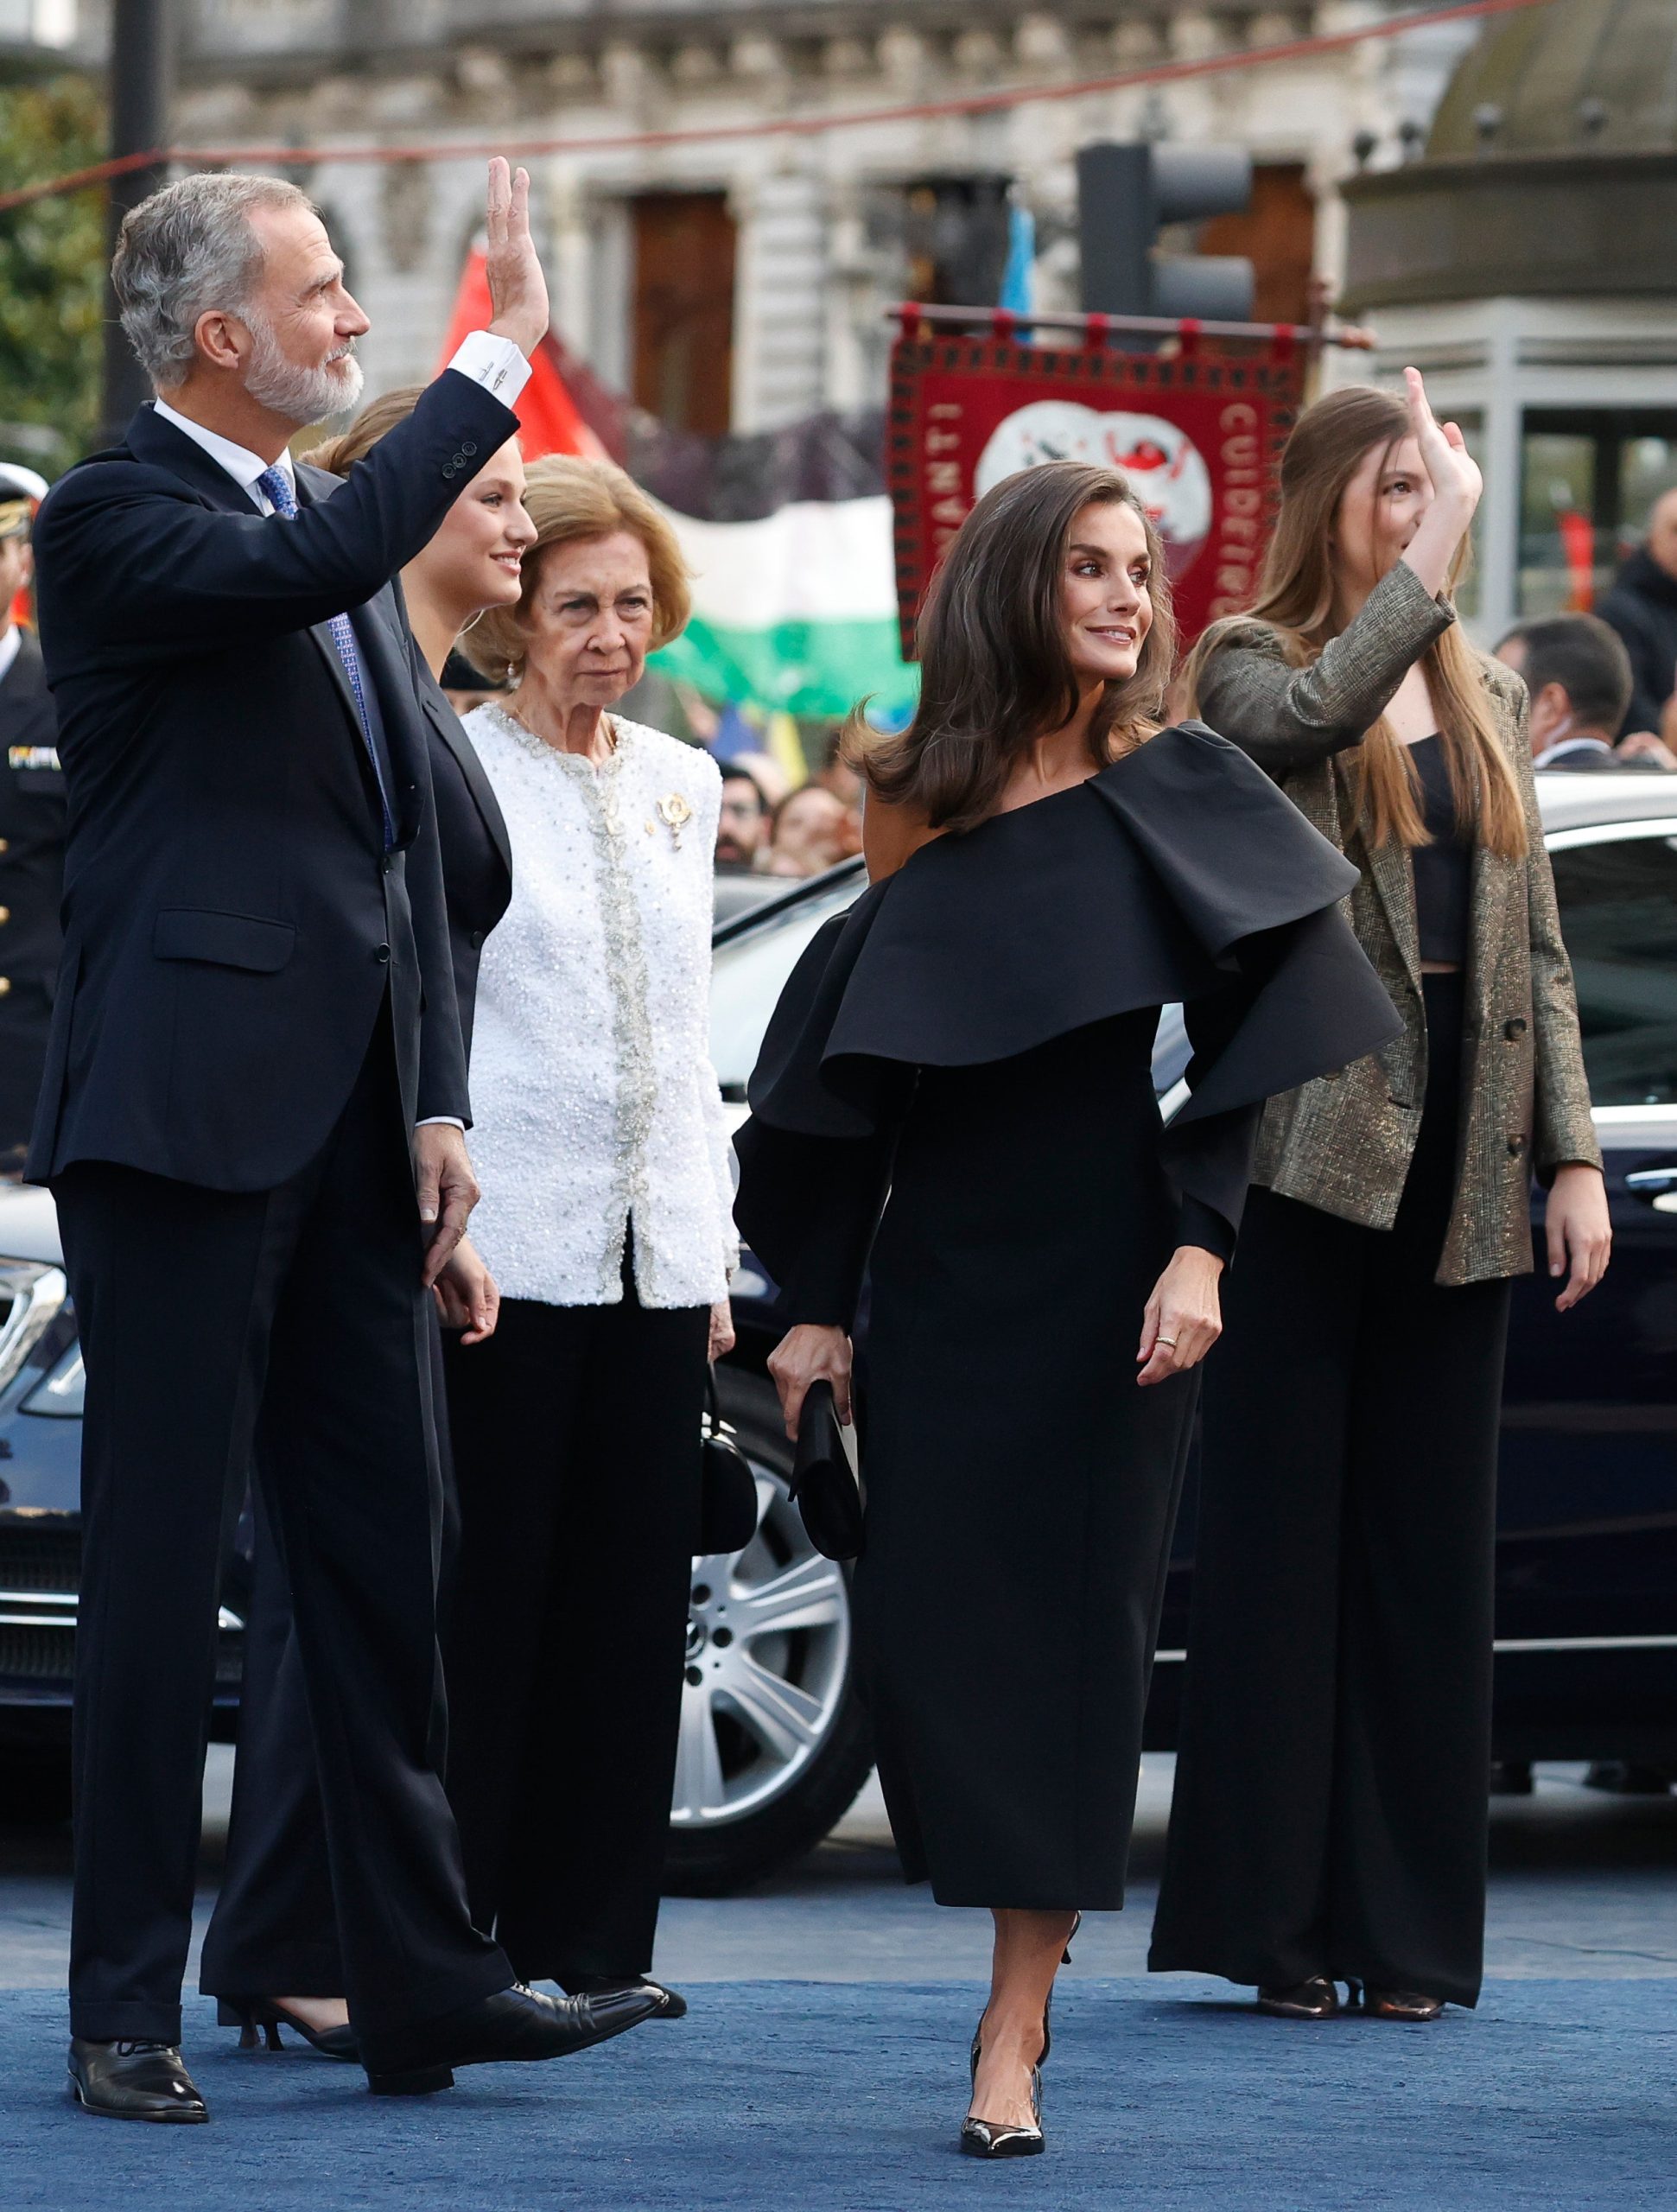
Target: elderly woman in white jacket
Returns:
[[605, 1218]]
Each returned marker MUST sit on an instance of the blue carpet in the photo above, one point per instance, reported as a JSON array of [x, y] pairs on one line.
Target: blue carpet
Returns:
[[801, 2097]]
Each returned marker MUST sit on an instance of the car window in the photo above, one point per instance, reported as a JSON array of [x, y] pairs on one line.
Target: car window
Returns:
[[750, 970], [1618, 915]]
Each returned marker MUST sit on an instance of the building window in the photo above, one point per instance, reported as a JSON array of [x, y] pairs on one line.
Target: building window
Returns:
[[1588, 478], [683, 309]]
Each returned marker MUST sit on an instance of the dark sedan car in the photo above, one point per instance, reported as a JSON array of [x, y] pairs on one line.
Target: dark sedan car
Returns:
[[774, 1744]]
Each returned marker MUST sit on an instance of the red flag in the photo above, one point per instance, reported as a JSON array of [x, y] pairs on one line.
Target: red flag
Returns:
[[547, 418]]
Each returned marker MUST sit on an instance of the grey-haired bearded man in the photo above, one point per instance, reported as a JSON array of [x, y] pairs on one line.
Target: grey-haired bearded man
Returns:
[[255, 1089]]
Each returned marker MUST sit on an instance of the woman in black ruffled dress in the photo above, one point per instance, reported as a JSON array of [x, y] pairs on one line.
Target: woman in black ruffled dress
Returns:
[[974, 1037]]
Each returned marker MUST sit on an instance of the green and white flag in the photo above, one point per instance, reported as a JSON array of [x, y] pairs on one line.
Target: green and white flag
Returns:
[[796, 610]]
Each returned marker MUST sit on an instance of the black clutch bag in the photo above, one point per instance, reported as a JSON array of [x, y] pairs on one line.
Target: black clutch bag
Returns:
[[826, 1492], [727, 1488]]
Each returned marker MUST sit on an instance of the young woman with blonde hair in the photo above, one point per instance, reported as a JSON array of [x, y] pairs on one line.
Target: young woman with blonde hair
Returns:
[[1330, 1816], [1049, 867]]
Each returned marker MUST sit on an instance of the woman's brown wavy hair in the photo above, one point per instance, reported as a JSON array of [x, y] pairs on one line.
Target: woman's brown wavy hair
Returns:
[[996, 669], [1328, 445]]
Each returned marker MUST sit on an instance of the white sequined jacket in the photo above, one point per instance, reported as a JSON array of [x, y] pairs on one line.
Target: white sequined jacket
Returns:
[[593, 1094]]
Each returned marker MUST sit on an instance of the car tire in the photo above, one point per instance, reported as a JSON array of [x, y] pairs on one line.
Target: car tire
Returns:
[[714, 1857]]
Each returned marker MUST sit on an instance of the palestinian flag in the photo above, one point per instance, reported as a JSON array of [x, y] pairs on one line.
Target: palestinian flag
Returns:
[[788, 535]]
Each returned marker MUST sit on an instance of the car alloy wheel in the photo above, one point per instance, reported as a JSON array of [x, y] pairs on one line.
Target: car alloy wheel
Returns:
[[768, 1654]]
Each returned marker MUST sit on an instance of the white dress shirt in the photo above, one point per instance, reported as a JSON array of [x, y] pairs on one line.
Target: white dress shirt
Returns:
[[497, 364], [592, 1089]]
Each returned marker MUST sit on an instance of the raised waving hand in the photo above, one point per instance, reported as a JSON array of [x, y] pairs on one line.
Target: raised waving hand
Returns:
[[517, 289]]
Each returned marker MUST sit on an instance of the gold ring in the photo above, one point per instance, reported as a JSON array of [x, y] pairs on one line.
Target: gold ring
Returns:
[[1171, 1341]]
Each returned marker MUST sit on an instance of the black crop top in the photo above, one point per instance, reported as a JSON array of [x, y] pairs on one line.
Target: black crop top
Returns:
[[1442, 869]]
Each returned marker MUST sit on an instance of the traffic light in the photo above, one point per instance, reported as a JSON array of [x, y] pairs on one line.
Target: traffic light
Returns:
[[956, 233], [1125, 194]]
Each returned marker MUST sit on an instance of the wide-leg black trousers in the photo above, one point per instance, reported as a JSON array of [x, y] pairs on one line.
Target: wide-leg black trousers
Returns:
[[1330, 1812], [575, 1521], [576, 1434], [293, 1334]]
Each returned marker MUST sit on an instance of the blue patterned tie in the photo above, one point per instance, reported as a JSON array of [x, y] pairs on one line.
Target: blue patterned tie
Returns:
[[276, 485]]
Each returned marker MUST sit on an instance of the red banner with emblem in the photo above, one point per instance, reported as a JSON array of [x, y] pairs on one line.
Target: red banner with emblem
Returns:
[[1197, 427]]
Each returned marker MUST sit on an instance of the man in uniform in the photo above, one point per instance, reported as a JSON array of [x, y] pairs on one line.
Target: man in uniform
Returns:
[[31, 832]]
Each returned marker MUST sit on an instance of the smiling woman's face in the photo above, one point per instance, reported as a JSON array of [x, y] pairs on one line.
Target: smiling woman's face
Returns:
[[1380, 510], [1104, 592], [475, 558]]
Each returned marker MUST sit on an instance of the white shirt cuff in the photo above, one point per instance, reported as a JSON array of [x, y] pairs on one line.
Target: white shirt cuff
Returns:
[[497, 364], [441, 1121]]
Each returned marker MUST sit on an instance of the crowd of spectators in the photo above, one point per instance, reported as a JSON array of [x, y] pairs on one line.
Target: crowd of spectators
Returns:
[[771, 826]]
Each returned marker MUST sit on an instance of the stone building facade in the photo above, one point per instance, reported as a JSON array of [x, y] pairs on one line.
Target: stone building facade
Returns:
[[1526, 261], [741, 283]]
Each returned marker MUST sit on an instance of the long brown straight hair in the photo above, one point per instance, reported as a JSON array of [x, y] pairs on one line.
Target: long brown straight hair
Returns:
[[1329, 443], [996, 672]]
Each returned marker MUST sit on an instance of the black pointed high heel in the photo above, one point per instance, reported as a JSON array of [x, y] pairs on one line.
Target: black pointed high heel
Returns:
[[250, 2014], [989, 2139]]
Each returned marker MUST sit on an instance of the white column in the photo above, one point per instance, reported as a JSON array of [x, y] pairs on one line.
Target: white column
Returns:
[[570, 260], [779, 315], [1499, 539]]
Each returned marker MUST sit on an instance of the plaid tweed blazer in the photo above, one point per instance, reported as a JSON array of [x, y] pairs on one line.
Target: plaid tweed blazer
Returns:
[[1344, 1143]]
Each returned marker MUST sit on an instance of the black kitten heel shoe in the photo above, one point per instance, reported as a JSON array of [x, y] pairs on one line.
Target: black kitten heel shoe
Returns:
[[250, 2014], [992, 2138]]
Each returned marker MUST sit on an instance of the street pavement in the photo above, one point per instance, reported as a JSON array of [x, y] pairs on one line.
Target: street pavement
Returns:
[[822, 2067], [1583, 1885]]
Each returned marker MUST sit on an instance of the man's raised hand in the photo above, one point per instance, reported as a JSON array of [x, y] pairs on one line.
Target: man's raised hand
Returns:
[[517, 289]]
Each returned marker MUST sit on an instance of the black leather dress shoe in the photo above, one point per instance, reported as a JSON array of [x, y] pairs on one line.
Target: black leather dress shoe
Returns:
[[134, 2080], [672, 2008], [1401, 2005], [514, 2025], [1314, 1998]]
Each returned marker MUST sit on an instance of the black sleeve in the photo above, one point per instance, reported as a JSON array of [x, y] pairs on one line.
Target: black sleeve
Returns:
[[808, 1207], [442, 1072], [127, 557], [1210, 1160], [1651, 673], [824, 1282]]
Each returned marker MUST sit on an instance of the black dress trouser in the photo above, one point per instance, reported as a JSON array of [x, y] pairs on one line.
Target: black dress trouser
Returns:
[[292, 1334], [274, 1931], [1330, 1804], [576, 1433]]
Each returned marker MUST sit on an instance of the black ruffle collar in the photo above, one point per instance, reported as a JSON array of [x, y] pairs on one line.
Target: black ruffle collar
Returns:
[[1135, 889]]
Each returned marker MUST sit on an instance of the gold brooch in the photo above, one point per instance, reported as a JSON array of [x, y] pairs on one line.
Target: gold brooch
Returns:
[[675, 813]]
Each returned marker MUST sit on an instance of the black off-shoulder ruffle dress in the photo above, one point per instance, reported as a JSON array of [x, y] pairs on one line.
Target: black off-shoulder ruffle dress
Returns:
[[975, 1040]]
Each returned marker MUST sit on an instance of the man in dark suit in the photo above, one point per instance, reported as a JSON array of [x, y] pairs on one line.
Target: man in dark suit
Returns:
[[255, 1094], [1579, 676], [31, 832]]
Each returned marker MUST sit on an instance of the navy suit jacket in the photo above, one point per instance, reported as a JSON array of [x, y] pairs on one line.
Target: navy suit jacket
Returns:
[[476, 852], [232, 923]]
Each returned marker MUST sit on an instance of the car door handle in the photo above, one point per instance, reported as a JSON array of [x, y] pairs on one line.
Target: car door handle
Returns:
[[1655, 1186]]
